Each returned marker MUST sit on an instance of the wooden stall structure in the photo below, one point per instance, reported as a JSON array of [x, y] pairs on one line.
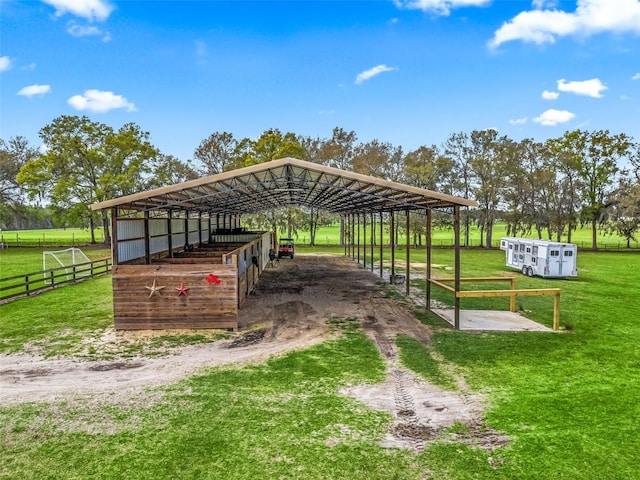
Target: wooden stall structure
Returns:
[[180, 259], [199, 283]]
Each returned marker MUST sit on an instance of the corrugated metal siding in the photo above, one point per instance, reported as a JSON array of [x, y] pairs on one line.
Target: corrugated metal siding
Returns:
[[158, 226], [178, 240], [159, 244], [130, 250], [130, 229], [177, 225]]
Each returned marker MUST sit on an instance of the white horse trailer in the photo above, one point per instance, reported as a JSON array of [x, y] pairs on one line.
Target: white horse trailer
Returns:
[[540, 257]]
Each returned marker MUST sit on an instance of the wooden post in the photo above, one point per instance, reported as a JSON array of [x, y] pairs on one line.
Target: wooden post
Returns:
[[186, 229], [512, 300], [392, 240], [200, 228], [408, 254], [428, 274], [456, 249], [170, 236], [556, 312], [381, 244], [114, 236], [147, 246]]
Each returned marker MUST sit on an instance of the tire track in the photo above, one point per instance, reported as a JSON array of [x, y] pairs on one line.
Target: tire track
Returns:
[[408, 429]]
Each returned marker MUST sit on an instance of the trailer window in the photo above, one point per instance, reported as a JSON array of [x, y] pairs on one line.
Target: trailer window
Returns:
[[535, 250], [554, 253], [568, 253], [528, 249], [534, 260], [522, 247]]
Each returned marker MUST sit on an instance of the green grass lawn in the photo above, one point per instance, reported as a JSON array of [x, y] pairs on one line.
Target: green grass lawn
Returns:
[[567, 401], [326, 235]]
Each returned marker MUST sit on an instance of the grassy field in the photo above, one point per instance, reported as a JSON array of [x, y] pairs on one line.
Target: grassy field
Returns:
[[568, 401], [326, 235], [17, 261]]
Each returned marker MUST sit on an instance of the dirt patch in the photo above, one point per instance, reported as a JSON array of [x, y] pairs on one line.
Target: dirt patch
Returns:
[[294, 306]]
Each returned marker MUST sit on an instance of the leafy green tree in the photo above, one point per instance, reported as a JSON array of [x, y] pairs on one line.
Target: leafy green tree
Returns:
[[218, 153], [378, 159], [168, 170], [624, 211], [597, 155], [427, 167], [272, 145], [87, 162], [457, 148], [339, 150], [488, 159], [14, 153]]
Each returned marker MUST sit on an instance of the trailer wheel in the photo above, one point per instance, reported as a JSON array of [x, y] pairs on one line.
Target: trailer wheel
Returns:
[[530, 271], [524, 270]]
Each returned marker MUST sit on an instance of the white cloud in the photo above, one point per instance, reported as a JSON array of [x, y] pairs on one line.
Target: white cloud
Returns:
[[82, 30], [372, 72], [92, 10], [547, 95], [440, 7], [590, 17], [36, 89], [100, 101], [5, 64], [636, 76], [624, 97], [31, 66], [540, 4], [553, 117], [518, 121], [590, 88]]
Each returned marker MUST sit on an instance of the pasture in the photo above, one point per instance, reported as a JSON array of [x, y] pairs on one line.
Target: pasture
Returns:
[[567, 402]]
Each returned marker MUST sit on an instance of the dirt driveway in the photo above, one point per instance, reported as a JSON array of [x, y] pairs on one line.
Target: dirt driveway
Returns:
[[288, 310]]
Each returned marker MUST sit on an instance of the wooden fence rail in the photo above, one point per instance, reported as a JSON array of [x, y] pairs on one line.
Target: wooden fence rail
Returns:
[[29, 283], [513, 293]]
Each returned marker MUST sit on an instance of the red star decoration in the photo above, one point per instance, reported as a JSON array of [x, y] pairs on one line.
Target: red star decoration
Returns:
[[182, 290], [211, 278]]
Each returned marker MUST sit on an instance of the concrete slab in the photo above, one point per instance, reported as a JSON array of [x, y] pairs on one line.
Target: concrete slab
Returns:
[[492, 320]]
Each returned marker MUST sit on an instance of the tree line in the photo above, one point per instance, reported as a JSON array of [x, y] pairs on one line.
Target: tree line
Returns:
[[542, 189]]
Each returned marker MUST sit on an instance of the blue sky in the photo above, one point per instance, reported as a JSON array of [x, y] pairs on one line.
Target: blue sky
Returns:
[[409, 72]]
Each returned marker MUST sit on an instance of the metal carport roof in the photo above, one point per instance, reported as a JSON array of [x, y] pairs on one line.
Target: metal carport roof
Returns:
[[282, 183]]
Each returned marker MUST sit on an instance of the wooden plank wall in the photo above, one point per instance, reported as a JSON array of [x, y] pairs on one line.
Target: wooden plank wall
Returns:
[[205, 303]]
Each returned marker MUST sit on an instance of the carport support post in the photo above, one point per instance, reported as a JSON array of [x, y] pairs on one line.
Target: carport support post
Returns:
[[114, 236], [169, 236], [456, 249], [408, 255], [353, 236], [364, 240], [392, 241], [381, 244], [373, 232], [358, 222], [147, 249], [427, 241]]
